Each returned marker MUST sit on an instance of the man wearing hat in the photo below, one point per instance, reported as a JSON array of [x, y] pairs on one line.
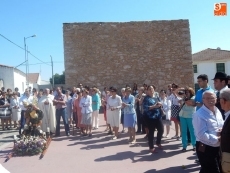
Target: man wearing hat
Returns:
[[220, 84]]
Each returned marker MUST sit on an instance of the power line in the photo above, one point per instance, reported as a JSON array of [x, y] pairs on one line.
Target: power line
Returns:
[[42, 63], [12, 42], [23, 49], [38, 58]]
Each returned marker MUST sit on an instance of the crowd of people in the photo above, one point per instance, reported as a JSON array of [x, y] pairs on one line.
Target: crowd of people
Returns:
[[201, 119]]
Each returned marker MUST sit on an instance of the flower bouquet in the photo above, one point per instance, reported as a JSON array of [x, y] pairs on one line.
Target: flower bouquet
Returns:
[[29, 145]]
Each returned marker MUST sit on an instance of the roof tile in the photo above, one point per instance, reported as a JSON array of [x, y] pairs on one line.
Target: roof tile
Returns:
[[211, 55]]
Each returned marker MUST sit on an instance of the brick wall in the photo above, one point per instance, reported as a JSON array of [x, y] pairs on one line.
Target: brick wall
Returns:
[[116, 54]]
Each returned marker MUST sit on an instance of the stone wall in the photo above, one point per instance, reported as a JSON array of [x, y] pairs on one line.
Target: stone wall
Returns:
[[116, 54]]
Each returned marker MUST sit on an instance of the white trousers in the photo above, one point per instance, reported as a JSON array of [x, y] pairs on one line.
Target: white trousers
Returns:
[[95, 119]]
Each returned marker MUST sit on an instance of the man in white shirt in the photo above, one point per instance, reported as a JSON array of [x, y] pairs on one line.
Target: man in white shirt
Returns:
[[25, 99], [207, 123]]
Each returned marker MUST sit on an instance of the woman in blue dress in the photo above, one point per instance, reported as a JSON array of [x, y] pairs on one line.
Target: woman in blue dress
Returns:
[[130, 118]]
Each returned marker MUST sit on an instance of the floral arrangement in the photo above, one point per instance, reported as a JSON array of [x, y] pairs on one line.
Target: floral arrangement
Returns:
[[29, 145], [33, 140]]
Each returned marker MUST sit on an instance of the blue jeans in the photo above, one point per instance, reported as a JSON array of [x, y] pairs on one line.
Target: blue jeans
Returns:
[[61, 113], [186, 124]]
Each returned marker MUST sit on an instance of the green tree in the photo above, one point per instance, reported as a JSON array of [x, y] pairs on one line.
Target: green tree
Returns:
[[58, 79]]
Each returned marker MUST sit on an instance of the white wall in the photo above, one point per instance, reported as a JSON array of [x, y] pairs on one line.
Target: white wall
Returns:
[[39, 80], [227, 67], [6, 74], [19, 81], [209, 68]]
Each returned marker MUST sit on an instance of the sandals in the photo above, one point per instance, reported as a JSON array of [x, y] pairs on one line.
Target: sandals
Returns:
[[115, 137], [133, 141], [160, 146], [153, 150]]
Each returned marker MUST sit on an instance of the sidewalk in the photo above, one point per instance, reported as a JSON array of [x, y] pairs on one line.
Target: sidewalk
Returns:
[[100, 154], [6, 137]]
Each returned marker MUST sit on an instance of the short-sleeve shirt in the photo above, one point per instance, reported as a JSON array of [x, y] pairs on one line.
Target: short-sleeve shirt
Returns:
[[174, 99], [199, 94], [61, 97]]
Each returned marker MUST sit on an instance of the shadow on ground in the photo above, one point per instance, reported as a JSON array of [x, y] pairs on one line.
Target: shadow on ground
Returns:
[[144, 155], [177, 169]]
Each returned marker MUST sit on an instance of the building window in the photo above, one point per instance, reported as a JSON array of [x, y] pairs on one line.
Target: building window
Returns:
[[196, 87], [194, 68], [220, 67]]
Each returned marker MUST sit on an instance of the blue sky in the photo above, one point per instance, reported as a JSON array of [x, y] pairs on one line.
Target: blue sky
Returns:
[[23, 18]]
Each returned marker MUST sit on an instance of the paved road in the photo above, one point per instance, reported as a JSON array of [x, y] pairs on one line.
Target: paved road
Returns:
[[100, 154]]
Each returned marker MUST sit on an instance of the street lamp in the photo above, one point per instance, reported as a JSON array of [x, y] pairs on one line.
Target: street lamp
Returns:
[[26, 58]]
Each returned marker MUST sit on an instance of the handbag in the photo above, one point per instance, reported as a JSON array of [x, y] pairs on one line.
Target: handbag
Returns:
[[225, 162]]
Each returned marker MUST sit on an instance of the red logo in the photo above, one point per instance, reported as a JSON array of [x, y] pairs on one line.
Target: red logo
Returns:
[[220, 9]]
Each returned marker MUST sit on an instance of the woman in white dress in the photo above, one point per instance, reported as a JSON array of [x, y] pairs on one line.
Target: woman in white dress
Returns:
[[16, 110], [114, 111]]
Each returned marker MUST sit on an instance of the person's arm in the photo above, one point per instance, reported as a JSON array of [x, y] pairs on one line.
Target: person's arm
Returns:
[[132, 102], [12, 105], [168, 107], [88, 101], [141, 100], [107, 103], [63, 101], [190, 102], [93, 99], [97, 99], [196, 103], [119, 103], [21, 103], [137, 99]]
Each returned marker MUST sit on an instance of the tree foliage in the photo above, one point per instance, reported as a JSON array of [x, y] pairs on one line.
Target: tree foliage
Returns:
[[58, 79]]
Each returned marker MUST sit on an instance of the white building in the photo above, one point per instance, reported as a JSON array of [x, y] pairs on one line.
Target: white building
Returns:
[[11, 77], [210, 61], [36, 81]]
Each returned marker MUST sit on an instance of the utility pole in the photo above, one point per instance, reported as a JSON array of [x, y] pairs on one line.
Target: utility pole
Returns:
[[27, 64], [25, 59], [52, 72]]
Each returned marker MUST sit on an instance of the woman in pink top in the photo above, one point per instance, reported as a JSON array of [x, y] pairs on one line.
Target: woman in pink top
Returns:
[[77, 109]]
